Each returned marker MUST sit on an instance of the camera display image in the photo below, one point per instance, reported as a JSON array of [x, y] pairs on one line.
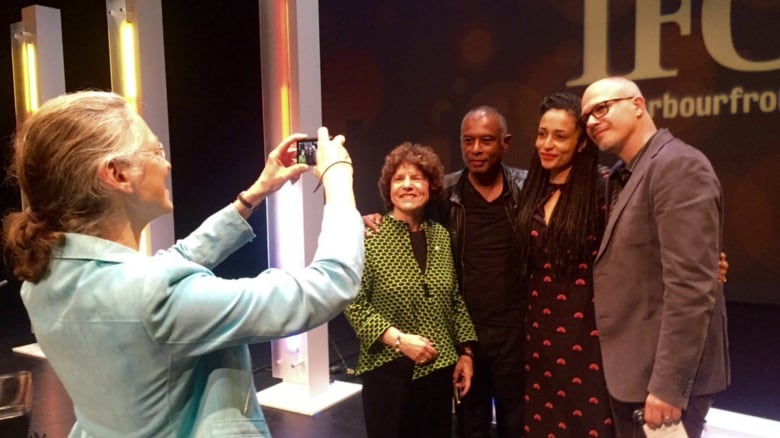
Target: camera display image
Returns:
[[307, 152]]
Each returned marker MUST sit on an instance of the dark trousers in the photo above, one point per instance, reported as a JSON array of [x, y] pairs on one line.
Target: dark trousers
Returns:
[[395, 406], [692, 418], [498, 375]]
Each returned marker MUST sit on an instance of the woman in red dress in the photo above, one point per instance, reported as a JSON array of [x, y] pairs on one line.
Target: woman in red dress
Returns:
[[562, 219]]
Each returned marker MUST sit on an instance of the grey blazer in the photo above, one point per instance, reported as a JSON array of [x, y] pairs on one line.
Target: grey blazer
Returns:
[[660, 311]]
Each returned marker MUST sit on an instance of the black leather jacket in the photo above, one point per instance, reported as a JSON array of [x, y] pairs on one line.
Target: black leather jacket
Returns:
[[454, 214]]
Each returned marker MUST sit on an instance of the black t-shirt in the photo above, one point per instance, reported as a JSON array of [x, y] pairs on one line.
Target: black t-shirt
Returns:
[[493, 287]]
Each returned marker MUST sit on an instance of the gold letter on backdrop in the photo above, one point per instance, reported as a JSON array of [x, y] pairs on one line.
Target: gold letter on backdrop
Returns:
[[647, 46], [594, 42], [716, 31]]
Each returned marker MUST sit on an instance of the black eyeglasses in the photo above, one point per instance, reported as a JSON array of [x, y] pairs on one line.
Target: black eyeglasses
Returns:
[[602, 108]]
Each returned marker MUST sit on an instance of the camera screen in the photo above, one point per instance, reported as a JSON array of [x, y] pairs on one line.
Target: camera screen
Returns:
[[307, 152]]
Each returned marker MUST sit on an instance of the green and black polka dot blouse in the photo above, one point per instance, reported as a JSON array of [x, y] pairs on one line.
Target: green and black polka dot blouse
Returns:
[[395, 292]]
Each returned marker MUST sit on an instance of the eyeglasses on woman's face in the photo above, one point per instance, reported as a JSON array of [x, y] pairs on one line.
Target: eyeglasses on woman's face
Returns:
[[158, 151]]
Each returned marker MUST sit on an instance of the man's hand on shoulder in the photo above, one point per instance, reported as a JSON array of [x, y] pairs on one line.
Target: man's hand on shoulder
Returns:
[[723, 268], [372, 221]]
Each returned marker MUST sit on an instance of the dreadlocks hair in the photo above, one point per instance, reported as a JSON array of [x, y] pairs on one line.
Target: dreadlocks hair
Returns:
[[578, 220]]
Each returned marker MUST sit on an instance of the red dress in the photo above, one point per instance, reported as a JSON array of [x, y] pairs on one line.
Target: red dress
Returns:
[[565, 390]]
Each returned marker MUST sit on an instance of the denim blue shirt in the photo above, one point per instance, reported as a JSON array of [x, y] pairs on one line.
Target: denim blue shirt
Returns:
[[157, 346]]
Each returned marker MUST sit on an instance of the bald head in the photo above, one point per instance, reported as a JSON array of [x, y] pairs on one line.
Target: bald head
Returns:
[[606, 89], [615, 116], [616, 84]]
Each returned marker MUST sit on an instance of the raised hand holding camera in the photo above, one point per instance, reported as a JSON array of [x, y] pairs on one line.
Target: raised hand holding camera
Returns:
[[334, 168]]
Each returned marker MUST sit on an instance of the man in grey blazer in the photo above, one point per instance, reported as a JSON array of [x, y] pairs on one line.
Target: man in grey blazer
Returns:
[[660, 310]]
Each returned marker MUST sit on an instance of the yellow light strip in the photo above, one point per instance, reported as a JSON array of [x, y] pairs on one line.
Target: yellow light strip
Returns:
[[30, 67], [285, 109], [130, 92], [284, 53], [129, 79]]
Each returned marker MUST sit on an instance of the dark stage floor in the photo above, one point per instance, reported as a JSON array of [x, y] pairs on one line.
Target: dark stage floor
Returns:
[[754, 351]]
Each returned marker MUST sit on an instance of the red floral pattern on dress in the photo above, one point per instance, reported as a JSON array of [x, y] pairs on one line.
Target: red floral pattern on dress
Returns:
[[565, 390]]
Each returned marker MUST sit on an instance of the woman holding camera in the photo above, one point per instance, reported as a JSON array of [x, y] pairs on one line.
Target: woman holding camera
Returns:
[[157, 346]]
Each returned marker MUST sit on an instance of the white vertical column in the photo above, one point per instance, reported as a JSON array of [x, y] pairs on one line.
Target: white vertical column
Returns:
[[39, 75], [38, 66], [135, 37], [290, 62]]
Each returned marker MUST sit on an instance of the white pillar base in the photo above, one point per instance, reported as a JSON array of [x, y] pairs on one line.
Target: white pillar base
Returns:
[[295, 397], [725, 424]]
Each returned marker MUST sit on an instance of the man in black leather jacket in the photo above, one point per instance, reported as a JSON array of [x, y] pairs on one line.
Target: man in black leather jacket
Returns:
[[480, 211]]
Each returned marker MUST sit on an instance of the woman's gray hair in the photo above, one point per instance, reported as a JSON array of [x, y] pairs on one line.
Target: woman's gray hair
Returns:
[[58, 154]]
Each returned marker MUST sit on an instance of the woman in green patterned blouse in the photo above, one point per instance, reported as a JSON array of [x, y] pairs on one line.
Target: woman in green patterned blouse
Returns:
[[414, 330]]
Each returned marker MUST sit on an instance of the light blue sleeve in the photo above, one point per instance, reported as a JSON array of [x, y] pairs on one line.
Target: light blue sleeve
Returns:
[[197, 312], [217, 237]]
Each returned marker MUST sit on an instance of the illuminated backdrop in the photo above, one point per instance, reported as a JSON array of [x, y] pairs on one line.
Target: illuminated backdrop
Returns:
[[710, 70]]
